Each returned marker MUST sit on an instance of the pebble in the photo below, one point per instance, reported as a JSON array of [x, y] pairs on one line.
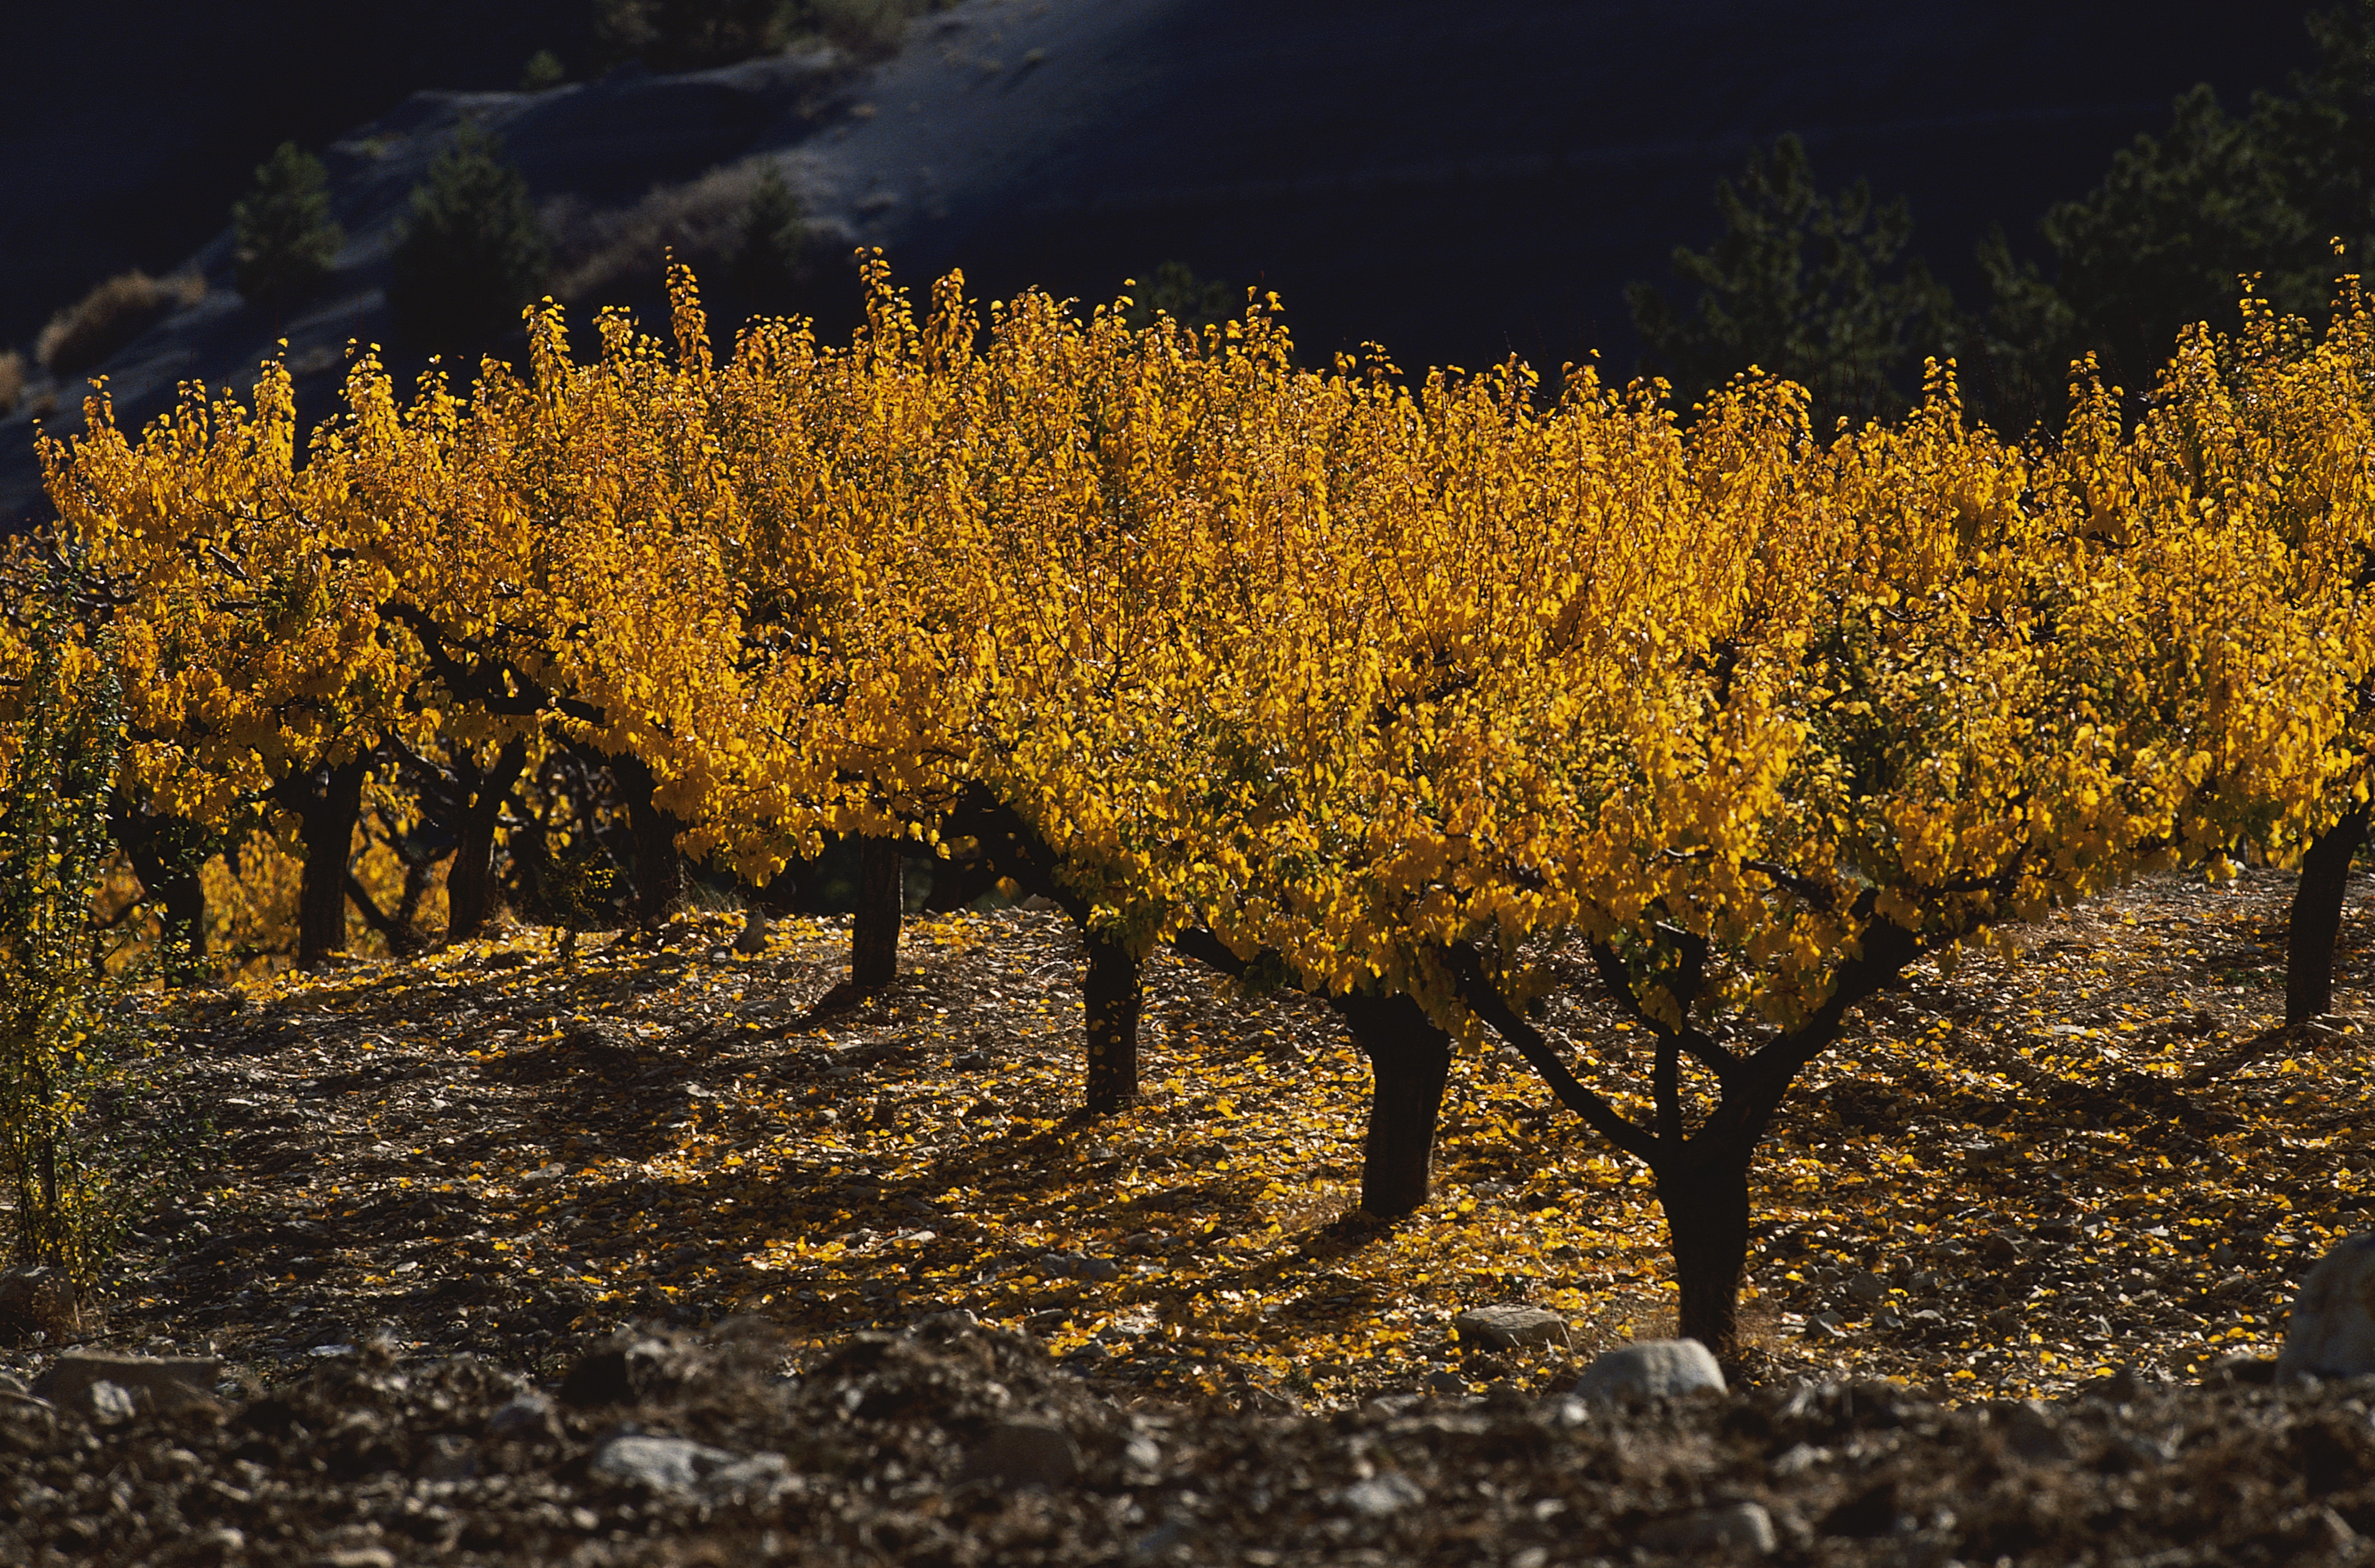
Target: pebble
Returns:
[[2333, 1329], [1652, 1369], [1506, 1328], [1381, 1494]]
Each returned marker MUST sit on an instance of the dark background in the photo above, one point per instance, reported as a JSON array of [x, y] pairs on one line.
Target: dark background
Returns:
[[1458, 180]]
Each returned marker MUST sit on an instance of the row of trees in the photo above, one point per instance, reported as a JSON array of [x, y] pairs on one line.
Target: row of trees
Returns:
[[1408, 695], [1826, 287], [473, 251]]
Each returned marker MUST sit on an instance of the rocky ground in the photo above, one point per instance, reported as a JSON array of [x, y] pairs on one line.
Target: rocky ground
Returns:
[[691, 1194], [957, 1444]]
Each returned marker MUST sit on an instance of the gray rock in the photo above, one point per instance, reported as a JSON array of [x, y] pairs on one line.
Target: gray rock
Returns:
[[527, 1419], [1023, 1454], [2333, 1329], [166, 1379], [754, 939], [110, 1404], [1652, 1369], [356, 1557], [1380, 1495], [1867, 1288], [1734, 1527], [1096, 1269], [681, 1467], [449, 1458], [36, 1298], [1506, 1328], [2030, 1432]]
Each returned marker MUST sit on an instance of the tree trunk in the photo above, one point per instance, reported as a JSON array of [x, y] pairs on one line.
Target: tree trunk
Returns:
[[1705, 1194], [167, 854], [2316, 917], [1113, 993], [177, 887], [326, 823], [881, 900], [659, 869], [1408, 1060], [469, 882]]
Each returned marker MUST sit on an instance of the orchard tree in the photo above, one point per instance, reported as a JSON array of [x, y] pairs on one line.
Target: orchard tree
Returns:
[[255, 665]]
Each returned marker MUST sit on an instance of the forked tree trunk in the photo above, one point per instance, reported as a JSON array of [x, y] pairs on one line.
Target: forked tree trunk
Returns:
[[469, 882], [874, 929], [1408, 1060], [326, 820], [2316, 917], [658, 871], [1115, 994]]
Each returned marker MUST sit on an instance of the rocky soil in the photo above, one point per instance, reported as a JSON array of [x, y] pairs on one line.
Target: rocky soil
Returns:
[[957, 1444], [674, 1257]]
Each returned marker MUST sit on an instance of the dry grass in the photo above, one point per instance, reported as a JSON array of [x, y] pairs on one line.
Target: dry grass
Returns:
[[12, 380], [867, 29], [602, 256], [111, 316]]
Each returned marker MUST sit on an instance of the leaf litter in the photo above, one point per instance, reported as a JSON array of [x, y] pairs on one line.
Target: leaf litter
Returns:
[[2092, 1168]]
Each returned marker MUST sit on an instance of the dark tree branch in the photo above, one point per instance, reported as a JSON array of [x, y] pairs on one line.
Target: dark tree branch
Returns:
[[1485, 1000]]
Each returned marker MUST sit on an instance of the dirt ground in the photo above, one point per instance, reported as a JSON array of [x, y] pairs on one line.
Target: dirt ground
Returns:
[[2025, 1243]]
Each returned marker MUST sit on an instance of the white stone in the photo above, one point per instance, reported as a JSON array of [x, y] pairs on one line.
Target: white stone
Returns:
[[684, 1467], [1652, 1369], [109, 1403], [1506, 1328], [1381, 1495], [2333, 1329]]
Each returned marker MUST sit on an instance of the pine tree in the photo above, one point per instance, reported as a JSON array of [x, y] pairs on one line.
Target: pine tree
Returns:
[[472, 254], [769, 260], [284, 241], [2177, 219], [1800, 285]]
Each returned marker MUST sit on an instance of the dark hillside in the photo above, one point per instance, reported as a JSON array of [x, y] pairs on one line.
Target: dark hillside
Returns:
[[130, 131], [1457, 183]]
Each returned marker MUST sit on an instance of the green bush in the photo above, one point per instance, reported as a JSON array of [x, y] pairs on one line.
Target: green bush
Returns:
[[688, 35], [1815, 288], [1176, 291], [769, 260], [471, 255], [866, 27], [283, 238], [543, 72], [693, 35], [68, 1061]]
